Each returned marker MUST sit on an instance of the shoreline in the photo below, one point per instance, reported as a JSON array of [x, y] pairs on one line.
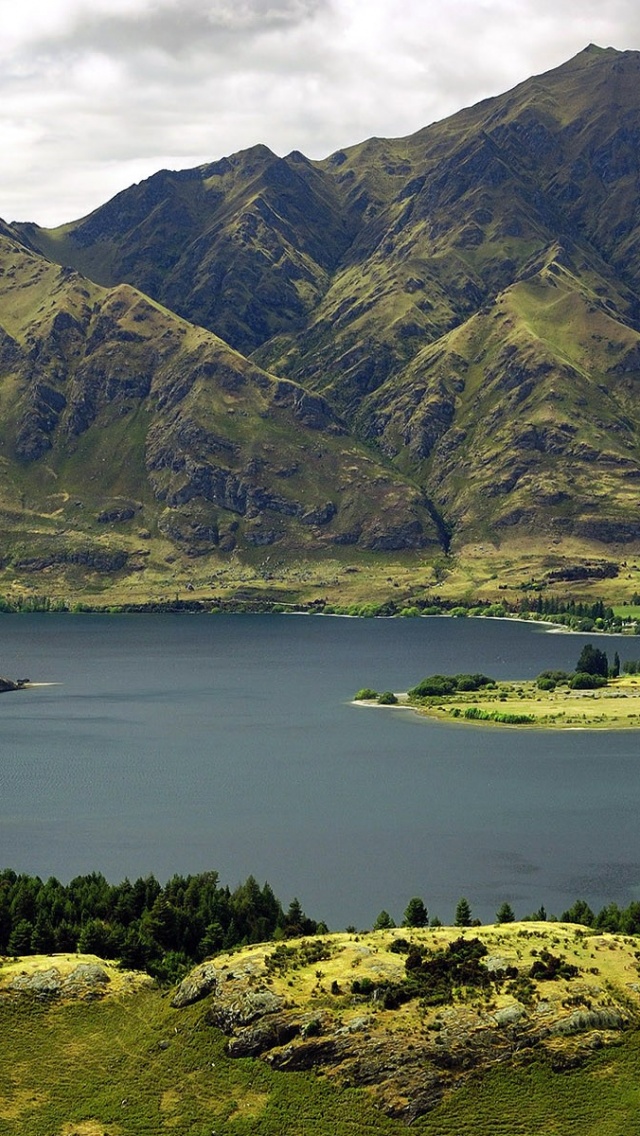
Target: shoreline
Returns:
[[204, 607]]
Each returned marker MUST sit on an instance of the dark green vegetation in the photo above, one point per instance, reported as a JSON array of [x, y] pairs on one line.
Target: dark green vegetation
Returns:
[[163, 930], [418, 357], [507, 717], [438, 685]]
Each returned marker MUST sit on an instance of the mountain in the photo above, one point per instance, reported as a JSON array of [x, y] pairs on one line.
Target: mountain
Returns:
[[129, 435], [460, 308]]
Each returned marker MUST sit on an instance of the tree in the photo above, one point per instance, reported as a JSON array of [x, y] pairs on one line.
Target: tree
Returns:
[[384, 922], [615, 670], [463, 913], [42, 939], [592, 661], [416, 914], [20, 938], [212, 940], [505, 914], [96, 938], [579, 912]]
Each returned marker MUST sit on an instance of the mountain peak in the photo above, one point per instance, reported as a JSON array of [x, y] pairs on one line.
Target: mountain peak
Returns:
[[465, 301]]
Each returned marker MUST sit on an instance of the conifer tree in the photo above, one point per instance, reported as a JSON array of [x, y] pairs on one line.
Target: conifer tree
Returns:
[[463, 913]]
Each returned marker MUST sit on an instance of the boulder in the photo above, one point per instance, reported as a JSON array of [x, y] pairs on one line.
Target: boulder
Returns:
[[195, 986]]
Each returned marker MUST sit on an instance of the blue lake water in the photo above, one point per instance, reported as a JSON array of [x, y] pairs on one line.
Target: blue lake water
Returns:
[[185, 743]]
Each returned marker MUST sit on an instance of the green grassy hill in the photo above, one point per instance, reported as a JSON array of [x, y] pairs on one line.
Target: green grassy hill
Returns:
[[292, 1039]]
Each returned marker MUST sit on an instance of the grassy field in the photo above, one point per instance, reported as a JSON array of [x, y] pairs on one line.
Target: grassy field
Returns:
[[616, 706], [130, 1065]]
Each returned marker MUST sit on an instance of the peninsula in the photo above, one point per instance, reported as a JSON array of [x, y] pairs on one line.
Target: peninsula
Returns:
[[594, 696]]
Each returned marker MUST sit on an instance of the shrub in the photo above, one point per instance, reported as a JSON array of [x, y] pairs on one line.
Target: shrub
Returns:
[[312, 1028], [474, 713], [387, 698], [550, 967], [544, 683], [434, 685], [582, 680], [555, 678], [400, 946], [511, 719], [365, 693], [363, 986], [472, 681], [508, 717]]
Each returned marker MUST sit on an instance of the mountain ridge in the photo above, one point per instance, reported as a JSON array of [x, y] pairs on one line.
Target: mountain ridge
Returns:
[[465, 301]]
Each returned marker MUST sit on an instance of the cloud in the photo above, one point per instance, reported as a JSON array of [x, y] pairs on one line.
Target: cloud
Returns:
[[96, 94]]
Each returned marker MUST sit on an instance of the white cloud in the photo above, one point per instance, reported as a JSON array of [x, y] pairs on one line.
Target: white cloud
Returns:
[[96, 94]]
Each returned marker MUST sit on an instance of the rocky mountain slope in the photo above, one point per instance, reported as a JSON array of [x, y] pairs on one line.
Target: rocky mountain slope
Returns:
[[458, 312], [127, 433]]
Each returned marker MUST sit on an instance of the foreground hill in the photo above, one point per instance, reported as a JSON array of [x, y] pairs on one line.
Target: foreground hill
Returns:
[[518, 1027], [464, 301]]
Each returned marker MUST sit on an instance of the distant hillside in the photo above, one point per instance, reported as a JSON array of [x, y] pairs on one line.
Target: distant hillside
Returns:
[[460, 308]]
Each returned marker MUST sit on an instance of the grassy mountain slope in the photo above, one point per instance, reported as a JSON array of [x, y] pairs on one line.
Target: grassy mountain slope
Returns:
[[244, 246], [293, 1039], [132, 440], [526, 414], [466, 301]]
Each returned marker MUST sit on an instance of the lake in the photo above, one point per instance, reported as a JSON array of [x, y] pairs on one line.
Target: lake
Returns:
[[176, 743]]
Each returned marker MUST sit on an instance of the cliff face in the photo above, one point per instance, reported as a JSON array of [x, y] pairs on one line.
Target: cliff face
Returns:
[[415, 345]]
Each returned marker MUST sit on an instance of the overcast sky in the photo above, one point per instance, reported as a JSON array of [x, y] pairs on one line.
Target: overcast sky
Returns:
[[98, 94]]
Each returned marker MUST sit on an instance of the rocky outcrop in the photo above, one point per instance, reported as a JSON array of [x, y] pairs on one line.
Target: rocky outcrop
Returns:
[[86, 980], [96, 559], [197, 985], [371, 1010], [252, 1041]]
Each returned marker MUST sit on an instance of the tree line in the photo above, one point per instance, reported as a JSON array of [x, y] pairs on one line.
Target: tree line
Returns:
[[166, 929], [617, 920], [163, 930]]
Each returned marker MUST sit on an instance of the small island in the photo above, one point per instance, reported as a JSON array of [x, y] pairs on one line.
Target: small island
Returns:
[[594, 696]]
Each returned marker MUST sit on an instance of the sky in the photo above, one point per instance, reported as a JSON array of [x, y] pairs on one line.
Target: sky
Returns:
[[98, 94]]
